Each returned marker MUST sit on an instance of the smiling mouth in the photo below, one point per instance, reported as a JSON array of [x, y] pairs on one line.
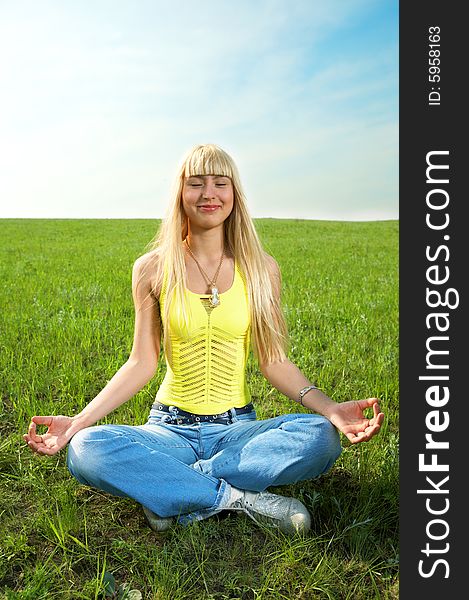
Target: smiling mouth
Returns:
[[209, 207]]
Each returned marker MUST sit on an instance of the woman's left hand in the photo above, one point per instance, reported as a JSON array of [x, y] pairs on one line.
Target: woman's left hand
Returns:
[[349, 418]]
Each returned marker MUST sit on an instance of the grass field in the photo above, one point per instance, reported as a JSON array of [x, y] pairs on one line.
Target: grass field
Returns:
[[66, 327]]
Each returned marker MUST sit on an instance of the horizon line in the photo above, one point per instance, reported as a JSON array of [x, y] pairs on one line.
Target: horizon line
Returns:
[[161, 218]]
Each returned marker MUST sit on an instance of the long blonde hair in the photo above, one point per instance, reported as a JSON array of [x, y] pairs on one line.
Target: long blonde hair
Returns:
[[268, 327]]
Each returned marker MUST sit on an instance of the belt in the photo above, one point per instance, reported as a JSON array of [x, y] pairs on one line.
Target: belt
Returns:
[[182, 417]]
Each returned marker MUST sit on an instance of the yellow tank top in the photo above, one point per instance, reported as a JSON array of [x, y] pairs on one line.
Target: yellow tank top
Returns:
[[206, 366]]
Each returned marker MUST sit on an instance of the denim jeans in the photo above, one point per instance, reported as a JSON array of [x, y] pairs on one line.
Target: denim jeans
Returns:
[[187, 470]]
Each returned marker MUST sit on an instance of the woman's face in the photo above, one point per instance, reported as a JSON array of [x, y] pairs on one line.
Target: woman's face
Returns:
[[207, 200]]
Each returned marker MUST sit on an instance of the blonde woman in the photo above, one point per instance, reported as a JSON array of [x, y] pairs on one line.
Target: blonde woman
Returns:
[[205, 294]]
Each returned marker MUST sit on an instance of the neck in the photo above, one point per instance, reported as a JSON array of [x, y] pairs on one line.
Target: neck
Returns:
[[206, 244]]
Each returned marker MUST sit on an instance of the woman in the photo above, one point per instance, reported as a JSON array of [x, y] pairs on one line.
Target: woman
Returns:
[[207, 290]]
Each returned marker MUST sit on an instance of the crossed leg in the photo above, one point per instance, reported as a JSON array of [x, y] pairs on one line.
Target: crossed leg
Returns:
[[160, 466]]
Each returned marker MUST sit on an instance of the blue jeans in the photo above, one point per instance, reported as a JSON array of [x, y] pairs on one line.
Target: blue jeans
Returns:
[[187, 470]]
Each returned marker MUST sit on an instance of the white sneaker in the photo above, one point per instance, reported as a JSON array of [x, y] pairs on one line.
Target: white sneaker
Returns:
[[287, 514]]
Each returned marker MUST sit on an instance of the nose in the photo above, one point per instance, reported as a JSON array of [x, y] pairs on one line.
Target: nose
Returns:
[[209, 190]]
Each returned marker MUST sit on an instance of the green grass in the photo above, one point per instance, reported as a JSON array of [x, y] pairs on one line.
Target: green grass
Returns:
[[66, 326]]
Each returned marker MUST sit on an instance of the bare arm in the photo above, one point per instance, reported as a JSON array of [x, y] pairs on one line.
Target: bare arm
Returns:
[[141, 365], [134, 374], [348, 417], [287, 378]]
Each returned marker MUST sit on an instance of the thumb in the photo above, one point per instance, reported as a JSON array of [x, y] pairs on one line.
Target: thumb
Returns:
[[42, 420], [368, 403]]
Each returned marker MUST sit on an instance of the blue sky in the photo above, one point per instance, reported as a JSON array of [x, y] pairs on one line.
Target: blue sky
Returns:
[[99, 101]]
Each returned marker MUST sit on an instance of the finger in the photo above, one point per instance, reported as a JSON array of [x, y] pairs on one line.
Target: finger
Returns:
[[41, 449], [32, 432], [372, 431], [374, 403], [378, 419], [367, 403], [364, 436], [354, 438], [47, 450], [32, 445]]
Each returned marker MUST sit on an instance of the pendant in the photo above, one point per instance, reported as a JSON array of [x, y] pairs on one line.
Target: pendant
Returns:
[[214, 298]]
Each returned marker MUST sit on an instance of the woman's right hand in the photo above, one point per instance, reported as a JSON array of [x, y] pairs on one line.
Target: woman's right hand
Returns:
[[60, 430]]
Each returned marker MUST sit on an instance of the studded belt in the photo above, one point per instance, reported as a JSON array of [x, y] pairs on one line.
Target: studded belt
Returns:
[[182, 417]]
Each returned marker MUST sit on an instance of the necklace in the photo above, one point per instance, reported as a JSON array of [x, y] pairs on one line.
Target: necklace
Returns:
[[211, 283]]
